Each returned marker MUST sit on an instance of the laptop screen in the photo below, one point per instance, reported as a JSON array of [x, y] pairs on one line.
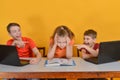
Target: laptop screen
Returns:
[[9, 56], [109, 51]]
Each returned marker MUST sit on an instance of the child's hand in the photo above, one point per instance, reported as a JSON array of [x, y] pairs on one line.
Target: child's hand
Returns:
[[68, 40], [34, 60], [20, 44], [79, 46]]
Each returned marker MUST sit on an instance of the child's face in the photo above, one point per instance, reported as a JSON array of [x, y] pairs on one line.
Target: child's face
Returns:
[[61, 42], [88, 40], [15, 32]]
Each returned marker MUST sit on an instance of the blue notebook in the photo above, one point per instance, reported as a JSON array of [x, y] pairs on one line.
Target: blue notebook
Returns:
[[60, 62]]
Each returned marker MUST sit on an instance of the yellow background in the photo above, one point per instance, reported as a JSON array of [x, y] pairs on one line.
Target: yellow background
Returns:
[[39, 18]]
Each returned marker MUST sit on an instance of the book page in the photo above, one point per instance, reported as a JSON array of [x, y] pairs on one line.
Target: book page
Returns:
[[60, 62], [66, 61], [54, 60]]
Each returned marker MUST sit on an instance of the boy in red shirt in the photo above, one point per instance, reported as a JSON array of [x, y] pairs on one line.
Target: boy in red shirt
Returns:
[[25, 46], [90, 47]]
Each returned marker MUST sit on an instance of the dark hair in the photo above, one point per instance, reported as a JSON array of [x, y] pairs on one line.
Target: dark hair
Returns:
[[63, 31], [10, 25], [90, 33]]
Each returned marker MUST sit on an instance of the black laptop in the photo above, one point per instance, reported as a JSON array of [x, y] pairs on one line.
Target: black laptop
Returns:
[[9, 56], [108, 52]]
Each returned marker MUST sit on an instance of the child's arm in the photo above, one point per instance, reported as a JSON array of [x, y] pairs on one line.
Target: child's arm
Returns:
[[69, 49], [38, 56], [84, 54], [93, 53], [52, 48], [51, 51]]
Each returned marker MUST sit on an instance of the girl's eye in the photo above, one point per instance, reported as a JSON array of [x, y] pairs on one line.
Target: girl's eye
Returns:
[[13, 31], [87, 38], [59, 42]]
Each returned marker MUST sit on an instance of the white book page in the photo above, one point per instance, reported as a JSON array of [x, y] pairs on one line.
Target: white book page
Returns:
[[54, 60], [59, 61], [66, 61]]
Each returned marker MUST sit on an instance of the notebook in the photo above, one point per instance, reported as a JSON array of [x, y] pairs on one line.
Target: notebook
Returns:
[[108, 52], [9, 56]]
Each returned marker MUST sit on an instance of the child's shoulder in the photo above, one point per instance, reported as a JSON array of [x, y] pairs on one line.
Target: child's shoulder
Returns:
[[97, 44], [10, 40], [26, 39], [72, 41]]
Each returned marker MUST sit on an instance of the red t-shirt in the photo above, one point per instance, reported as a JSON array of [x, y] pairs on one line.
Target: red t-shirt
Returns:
[[27, 50], [96, 46]]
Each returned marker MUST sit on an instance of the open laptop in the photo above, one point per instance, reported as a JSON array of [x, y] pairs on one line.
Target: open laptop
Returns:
[[108, 52], [9, 56]]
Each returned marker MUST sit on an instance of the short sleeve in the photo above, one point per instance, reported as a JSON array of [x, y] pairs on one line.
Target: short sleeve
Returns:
[[31, 43], [9, 42], [72, 42], [96, 46]]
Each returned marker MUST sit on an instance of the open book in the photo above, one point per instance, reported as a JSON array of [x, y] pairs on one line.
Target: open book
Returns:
[[60, 62]]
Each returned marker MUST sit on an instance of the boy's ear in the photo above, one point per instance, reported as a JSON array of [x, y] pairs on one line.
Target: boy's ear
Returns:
[[9, 34]]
